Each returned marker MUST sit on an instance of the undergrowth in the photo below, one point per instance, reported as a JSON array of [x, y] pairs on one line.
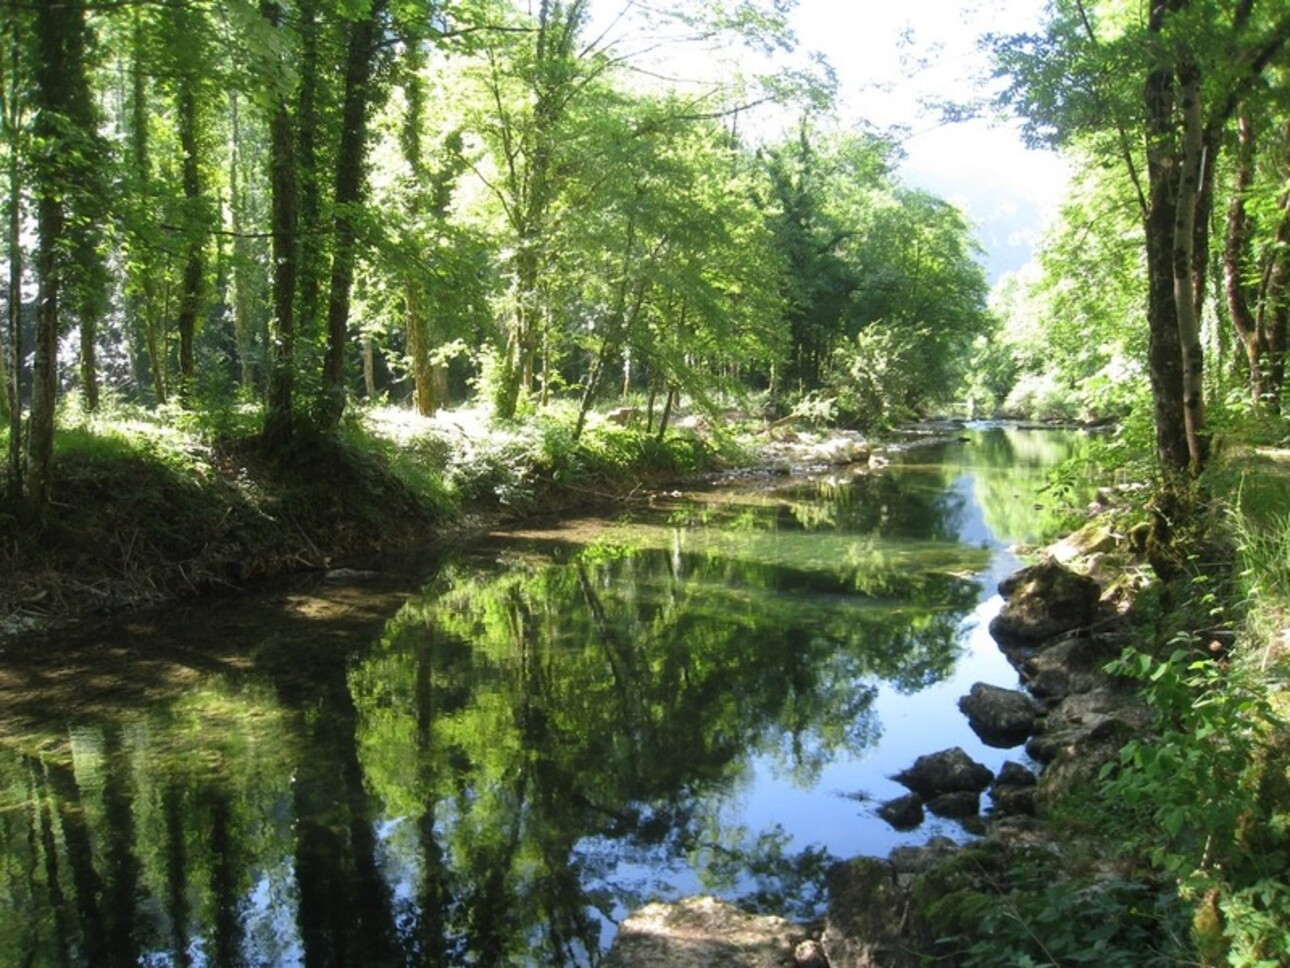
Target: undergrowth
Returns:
[[149, 503]]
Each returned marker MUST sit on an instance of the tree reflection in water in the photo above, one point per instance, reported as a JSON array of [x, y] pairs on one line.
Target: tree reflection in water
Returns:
[[544, 736]]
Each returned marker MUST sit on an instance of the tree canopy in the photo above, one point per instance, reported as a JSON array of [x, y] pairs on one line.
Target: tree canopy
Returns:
[[295, 205]]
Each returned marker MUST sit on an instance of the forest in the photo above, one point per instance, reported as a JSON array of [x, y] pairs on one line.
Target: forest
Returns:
[[255, 248], [298, 207]]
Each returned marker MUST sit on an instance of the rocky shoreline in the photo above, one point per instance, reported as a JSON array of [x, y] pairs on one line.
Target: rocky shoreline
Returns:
[[1061, 623]]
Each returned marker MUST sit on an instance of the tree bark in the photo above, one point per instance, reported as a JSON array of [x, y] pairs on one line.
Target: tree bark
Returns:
[[59, 79], [309, 190], [1164, 348], [143, 306], [278, 417], [190, 296], [423, 383], [1185, 288], [241, 253], [1235, 254], [13, 382], [350, 175]]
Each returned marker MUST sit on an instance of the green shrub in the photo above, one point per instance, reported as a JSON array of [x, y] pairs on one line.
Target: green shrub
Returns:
[[995, 904], [1208, 797]]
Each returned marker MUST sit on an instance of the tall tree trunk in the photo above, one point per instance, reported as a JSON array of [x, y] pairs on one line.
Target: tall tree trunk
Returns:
[[668, 402], [418, 326], [194, 235], [369, 368], [89, 363], [1274, 307], [241, 251], [13, 383], [1184, 268], [278, 418], [350, 164], [1164, 349], [1235, 254], [59, 72], [144, 305], [310, 233]]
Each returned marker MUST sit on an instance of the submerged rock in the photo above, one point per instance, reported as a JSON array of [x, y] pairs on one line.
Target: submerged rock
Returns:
[[959, 805], [949, 771], [1043, 600], [903, 813], [1002, 718], [703, 932], [349, 576]]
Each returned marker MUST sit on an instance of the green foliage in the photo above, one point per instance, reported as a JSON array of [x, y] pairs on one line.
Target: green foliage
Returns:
[[1039, 396], [992, 905], [1076, 351], [1208, 797], [883, 295], [417, 458], [888, 374]]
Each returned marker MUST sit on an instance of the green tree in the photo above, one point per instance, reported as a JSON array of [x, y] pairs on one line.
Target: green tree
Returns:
[[1256, 250], [362, 48], [530, 80], [13, 74], [65, 151], [279, 417], [1157, 95], [191, 69], [820, 282]]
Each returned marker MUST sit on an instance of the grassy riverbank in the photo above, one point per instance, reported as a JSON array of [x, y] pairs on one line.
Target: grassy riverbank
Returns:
[[149, 507]]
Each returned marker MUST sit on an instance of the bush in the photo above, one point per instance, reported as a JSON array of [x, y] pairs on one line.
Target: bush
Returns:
[[1039, 396], [884, 375]]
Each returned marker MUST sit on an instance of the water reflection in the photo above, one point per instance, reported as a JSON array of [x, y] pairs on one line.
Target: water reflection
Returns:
[[493, 769]]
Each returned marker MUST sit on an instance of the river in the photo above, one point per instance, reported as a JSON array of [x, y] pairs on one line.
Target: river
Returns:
[[488, 755]]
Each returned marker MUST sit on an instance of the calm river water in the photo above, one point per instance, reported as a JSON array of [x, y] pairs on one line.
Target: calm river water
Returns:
[[488, 756]]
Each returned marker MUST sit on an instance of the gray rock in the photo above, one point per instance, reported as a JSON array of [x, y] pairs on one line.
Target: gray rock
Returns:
[[959, 805], [865, 905], [1014, 774], [1001, 717], [703, 932], [1043, 600], [1082, 734], [1011, 801], [1089, 717], [908, 861], [903, 813], [949, 771], [810, 954], [1068, 666]]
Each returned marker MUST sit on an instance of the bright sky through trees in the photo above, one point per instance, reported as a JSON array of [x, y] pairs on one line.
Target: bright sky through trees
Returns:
[[892, 58], [895, 62]]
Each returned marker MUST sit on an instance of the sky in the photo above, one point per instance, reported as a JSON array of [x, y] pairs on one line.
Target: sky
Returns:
[[892, 55], [1007, 191]]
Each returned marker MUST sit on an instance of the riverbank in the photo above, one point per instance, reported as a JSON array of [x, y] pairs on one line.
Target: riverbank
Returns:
[[147, 511], [1155, 830], [1155, 661]]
